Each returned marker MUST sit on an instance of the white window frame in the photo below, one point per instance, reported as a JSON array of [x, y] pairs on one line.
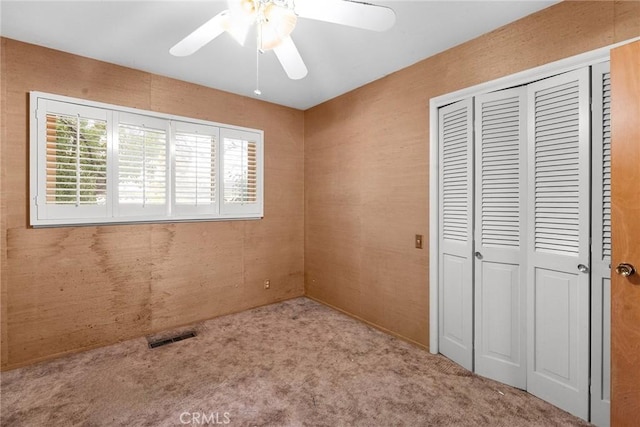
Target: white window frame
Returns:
[[51, 215]]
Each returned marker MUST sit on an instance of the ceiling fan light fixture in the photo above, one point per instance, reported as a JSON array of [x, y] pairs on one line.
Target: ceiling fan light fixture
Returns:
[[245, 10], [241, 17], [274, 19], [248, 7], [276, 24], [281, 18]]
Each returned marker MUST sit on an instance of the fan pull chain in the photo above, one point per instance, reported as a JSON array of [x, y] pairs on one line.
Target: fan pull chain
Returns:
[[257, 91]]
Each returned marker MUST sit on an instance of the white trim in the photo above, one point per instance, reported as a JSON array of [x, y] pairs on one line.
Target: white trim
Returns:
[[523, 77], [33, 156], [434, 232]]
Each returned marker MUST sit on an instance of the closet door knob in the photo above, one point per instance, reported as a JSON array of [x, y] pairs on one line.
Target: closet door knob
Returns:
[[625, 270], [583, 268], [478, 255]]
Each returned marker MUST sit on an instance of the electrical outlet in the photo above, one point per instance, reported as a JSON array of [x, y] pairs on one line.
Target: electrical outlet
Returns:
[[267, 284]]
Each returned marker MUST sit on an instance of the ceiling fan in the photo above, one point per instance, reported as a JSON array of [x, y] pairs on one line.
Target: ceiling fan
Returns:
[[274, 21]]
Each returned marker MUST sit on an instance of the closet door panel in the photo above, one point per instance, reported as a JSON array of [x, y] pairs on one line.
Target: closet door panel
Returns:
[[558, 240], [601, 247], [456, 239], [500, 209]]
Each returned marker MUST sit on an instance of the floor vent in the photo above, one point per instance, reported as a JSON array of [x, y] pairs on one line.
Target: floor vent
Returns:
[[164, 341]]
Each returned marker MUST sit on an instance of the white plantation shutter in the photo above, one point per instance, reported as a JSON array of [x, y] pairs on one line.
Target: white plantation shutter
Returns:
[[601, 247], [500, 274], [455, 127], [142, 165], [241, 172], [195, 169], [73, 161], [76, 160]]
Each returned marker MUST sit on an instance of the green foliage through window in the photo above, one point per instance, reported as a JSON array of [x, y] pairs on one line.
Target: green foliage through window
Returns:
[[76, 160]]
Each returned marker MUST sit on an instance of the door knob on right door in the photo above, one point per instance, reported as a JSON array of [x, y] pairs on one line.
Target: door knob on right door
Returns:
[[625, 270]]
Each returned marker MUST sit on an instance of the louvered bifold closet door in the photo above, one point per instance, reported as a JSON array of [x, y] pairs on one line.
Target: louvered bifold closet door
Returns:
[[558, 240], [601, 245], [500, 232], [455, 284]]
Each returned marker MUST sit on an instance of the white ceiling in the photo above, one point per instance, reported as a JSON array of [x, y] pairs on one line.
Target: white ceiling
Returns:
[[138, 34]]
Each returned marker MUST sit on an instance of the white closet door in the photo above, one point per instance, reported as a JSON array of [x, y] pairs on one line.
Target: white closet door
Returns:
[[558, 241], [456, 238], [601, 247], [500, 232]]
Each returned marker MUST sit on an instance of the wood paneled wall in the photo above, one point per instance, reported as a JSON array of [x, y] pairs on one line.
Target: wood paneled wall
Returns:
[[367, 162], [73, 288]]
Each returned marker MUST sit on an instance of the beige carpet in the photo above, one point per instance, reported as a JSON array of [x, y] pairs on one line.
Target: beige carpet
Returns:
[[289, 364]]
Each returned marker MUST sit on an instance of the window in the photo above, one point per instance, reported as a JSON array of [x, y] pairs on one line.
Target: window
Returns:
[[74, 162], [142, 165], [240, 171], [196, 174], [95, 163]]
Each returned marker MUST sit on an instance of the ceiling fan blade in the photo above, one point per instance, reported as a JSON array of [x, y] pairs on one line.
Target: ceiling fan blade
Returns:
[[201, 36], [290, 59], [346, 12]]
